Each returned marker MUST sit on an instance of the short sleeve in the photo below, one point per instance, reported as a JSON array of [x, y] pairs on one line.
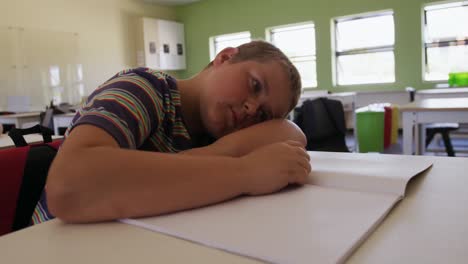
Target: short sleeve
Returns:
[[128, 107]]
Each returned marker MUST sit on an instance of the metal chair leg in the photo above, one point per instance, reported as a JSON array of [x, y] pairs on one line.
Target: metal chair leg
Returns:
[[448, 144]]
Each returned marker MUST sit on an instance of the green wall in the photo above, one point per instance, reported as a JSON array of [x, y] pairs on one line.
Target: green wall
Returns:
[[215, 17]]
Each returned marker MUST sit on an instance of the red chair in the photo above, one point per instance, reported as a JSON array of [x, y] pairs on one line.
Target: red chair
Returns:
[[23, 175]]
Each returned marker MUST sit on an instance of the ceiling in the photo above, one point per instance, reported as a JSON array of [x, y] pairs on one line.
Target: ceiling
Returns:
[[170, 2]]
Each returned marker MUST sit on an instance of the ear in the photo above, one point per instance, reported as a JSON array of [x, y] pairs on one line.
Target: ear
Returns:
[[225, 55]]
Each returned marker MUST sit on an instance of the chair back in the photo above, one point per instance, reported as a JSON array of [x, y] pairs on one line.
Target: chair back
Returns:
[[322, 121], [47, 118]]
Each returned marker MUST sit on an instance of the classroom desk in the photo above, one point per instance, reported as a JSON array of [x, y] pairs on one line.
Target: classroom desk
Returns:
[[20, 119], [441, 93], [62, 120], [428, 226], [6, 142], [433, 110]]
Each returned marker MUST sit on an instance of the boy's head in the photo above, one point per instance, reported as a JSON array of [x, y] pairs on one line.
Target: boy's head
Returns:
[[246, 85], [263, 52]]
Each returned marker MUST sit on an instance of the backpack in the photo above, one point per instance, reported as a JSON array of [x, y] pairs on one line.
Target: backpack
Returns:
[[23, 173], [323, 123]]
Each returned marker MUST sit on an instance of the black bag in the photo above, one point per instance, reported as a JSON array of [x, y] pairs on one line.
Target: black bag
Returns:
[[322, 121]]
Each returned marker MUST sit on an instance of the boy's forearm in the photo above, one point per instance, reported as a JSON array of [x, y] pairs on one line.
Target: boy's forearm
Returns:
[[159, 183], [92, 179], [248, 139]]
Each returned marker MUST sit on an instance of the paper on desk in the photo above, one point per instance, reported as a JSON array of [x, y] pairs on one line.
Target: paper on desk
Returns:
[[365, 172], [310, 224]]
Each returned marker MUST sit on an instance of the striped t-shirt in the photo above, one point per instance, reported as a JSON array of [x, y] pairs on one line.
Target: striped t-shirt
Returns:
[[140, 108]]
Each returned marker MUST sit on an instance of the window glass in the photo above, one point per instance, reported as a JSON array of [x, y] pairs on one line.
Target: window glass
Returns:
[[446, 40], [298, 43], [365, 33], [229, 40], [366, 68], [364, 49]]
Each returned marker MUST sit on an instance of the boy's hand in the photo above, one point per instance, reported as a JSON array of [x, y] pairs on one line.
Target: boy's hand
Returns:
[[274, 166]]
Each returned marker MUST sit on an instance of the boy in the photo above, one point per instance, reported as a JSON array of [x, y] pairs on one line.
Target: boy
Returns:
[[240, 100]]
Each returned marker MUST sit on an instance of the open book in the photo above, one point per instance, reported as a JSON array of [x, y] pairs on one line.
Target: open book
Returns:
[[320, 222]]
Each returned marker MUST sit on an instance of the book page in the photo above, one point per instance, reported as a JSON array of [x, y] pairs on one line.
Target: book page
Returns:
[[377, 173], [321, 222], [308, 224]]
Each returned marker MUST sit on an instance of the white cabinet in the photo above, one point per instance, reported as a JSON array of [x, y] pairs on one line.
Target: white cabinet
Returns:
[[160, 44]]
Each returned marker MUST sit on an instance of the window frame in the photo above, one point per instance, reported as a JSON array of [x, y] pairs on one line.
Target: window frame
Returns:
[[269, 37], [358, 51], [213, 40], [437, 44]]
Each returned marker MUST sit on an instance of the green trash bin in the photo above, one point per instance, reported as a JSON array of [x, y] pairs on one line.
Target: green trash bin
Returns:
[[370, 128]]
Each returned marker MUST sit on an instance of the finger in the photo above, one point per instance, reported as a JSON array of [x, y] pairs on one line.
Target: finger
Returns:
[[303, 153], [294, 143], [298, 176], [309, 167], [305, 164], [302, 176]]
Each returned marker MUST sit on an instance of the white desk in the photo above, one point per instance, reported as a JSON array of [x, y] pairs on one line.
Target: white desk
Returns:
[[6, 142], [62, 120], [20, 119], [428, 226], [441, 93], [453, 110]]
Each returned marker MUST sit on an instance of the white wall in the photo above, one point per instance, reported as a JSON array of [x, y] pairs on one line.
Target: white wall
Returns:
[[106, 29]]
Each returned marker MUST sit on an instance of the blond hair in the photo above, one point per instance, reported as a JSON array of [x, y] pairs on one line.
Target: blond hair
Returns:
[[263, 52]]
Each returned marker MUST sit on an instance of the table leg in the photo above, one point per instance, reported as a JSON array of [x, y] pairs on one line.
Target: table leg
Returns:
[[56, 126], [408, 133], [422, 139]]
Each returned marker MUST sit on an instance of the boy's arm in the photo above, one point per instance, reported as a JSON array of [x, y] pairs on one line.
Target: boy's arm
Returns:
[[244, 141], [92, 179]]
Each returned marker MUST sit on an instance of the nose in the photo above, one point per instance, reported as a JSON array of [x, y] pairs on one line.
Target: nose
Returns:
[[251, 107]]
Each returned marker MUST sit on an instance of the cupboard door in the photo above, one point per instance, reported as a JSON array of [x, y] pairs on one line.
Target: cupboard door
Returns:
[[179, 42], [171, 34], [151, 47], [163, 46]]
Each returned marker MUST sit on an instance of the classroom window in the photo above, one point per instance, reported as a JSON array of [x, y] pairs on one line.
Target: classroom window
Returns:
[[298, 43], [218, 43], [54, 82], [445, 40], [78, 81], [364, 49]]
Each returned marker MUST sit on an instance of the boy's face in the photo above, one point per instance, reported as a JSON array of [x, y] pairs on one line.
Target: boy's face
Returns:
[[241, 94]]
